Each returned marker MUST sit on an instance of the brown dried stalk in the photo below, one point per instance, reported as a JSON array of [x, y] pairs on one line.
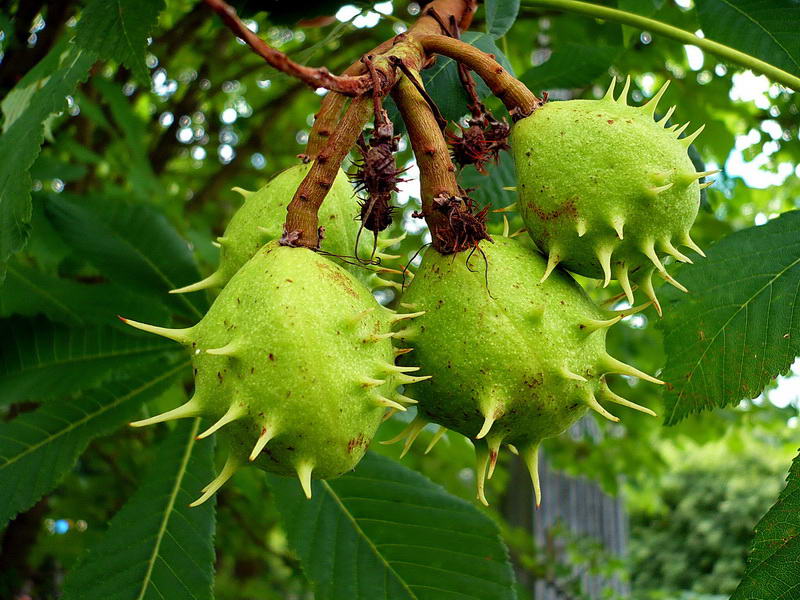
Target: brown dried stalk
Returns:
[[316, 77], [519, 100]]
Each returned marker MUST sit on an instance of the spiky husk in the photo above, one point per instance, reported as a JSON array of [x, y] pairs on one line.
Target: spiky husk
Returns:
[[261, 217], [513, 360], [293, 366], [604, 189]]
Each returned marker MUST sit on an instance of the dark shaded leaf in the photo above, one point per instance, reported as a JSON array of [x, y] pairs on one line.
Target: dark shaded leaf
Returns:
[[488, 189], [133, 245], [140, 172], [29, 292], [571, 66], [739, 326], [385, 531], [49, 440], [40, 360], [157, 546]]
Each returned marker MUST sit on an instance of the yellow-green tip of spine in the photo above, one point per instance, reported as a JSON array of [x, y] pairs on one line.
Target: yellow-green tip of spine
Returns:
[[231, 466], [531, 458], [213, 280], [182, 336], [193, 408], [304, 469]]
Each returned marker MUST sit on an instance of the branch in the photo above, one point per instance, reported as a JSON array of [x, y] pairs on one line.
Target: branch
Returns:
[[330, 111], [318, 77], [301, 227], [437, 173], [519, 100], [686, 37], [333, 104]]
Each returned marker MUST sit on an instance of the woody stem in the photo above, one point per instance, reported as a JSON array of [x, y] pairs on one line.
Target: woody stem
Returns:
[[437, 173], [519, 100], [301, 227]]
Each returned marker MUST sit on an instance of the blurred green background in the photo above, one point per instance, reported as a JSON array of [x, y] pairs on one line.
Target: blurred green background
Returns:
[[211, 116]]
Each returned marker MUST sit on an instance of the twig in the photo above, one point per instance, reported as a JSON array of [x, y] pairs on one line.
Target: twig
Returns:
[[301, 227], [437, 173], [519, 100], [413, 79], [332, 105], [475, 106], [316, 77]]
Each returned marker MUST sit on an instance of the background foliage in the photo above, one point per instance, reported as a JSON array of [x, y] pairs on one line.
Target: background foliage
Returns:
[[125, 124]]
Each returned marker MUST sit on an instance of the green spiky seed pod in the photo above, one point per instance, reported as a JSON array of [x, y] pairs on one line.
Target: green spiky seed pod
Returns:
[[514, 360], [293, 365], [261, 217], [604, 188]]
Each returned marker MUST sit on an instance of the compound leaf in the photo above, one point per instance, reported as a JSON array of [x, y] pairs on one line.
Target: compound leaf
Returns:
[[157, 546], [739, 326], [385, 531]]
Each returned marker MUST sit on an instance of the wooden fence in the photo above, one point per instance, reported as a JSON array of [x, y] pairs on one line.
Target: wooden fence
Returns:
[[577, 504]]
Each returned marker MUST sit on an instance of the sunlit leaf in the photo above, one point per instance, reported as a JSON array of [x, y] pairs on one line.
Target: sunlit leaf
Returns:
[[766, 29], [500, 16], [739, 325], [23, 135], [773, 569]]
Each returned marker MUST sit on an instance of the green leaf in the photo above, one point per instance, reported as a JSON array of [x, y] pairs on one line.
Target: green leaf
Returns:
[[773, 570], [157, 546], [571, 66], [766, 29], [444, 86], [40, 360], [23, 136], [385, 531], [739, 325], [49, 440], [500, 16], [29, 292], [17, 100], [133, 245], [118, 29]]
